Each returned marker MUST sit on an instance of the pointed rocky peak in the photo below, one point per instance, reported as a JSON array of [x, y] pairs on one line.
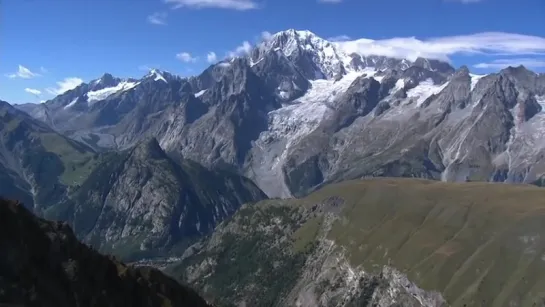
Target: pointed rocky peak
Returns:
[[434, 65], [525, 80], [107, 78], [519, 72], [159, 75], [463, 70], [149, 148], [292, 39], [105, 81], [461, 74], [314, 56], [4, 104]]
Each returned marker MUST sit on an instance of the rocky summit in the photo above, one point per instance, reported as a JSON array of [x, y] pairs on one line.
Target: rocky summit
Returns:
[[43, 264]]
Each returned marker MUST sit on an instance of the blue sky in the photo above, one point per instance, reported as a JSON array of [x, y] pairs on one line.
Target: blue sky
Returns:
[[49, 45]]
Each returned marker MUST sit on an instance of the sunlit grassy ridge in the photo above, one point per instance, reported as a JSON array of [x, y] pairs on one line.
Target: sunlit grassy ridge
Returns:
[[477, 243]]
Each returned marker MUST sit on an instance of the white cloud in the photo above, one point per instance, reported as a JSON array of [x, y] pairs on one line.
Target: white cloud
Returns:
[[514, 62], [64, 86], [186, 57], [241, 50], [211, 57], [240, 5], [443, 47], [266, 35], [43, 70], [23, 73], [33, 91], [339, 38], [158, 18]]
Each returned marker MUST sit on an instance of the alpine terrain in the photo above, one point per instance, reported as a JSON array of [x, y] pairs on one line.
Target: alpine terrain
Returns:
[[299, 111], [301, 172], [134, 202]]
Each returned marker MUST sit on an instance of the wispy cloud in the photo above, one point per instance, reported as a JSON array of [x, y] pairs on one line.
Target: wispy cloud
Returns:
[[43, 70], [186, 57], [443, 47], [33, 91], [503, 63], [241, 50], [64, 86], [339, 38], [240, 5], [24, 73], [158, 18], [211, 57]]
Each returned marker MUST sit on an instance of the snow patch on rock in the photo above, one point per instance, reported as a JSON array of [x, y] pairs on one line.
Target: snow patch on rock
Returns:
[[104, 93], [424, 90]]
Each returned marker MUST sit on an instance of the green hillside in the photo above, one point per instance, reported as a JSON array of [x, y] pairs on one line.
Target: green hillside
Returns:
[[478, 244]]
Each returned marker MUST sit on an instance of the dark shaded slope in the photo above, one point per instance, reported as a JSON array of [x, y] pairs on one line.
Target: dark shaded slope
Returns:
[[43, 264]]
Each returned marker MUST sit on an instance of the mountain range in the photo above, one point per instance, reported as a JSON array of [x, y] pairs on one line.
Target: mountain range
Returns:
[[241, 175], [299, 111]]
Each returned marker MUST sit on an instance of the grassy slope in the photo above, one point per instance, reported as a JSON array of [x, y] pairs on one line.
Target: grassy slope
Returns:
[[474, 242], [479, 244], [78, 161]]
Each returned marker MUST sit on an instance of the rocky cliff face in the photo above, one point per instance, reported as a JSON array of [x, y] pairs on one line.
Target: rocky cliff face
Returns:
[[299, 111], [379, 242], [43, 264], [140, 202]]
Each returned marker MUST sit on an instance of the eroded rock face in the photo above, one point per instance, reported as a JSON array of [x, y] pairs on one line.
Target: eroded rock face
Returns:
[[43, 264], [143, 202]]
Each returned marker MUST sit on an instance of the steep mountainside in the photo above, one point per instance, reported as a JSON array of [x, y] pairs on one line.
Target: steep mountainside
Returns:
[[379, 242], [134, 202], [43, 264], [38, 165], [299, 111], [140, 202]]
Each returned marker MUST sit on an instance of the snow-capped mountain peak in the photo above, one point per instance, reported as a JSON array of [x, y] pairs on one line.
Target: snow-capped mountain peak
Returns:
[[157, 75], [160, 75], [106, 80], [319, 58]]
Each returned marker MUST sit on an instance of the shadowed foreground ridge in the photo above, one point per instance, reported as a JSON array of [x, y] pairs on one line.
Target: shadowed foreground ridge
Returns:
[[43, 264]]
